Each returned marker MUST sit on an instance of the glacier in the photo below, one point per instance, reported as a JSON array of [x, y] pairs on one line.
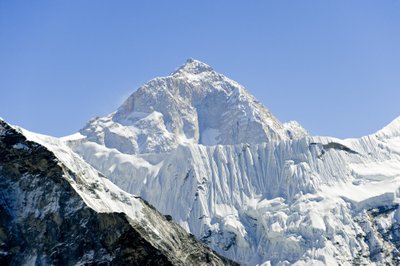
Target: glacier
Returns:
[[200, 148]]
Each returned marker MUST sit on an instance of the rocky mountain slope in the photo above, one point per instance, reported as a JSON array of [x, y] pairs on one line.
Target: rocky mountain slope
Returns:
[[200, 148], [57, 210]]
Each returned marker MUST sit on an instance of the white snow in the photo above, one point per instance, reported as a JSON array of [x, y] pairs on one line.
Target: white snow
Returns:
[[73, 137], [377, 171]]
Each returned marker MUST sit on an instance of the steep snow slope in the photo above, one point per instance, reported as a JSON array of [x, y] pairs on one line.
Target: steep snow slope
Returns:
[[199, 147], [56, 209]]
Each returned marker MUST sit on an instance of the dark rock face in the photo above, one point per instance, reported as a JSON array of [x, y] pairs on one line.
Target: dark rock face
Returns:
[[44, 221]]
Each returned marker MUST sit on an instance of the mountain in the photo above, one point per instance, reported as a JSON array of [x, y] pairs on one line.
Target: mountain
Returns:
[[202, 150], [193, 105], [57, 210]]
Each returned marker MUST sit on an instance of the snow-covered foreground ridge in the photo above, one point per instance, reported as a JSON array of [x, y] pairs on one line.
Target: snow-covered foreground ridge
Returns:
[[200, 148], [57, 210]]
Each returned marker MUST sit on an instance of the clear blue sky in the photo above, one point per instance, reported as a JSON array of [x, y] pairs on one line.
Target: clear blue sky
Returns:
[[334, 66]]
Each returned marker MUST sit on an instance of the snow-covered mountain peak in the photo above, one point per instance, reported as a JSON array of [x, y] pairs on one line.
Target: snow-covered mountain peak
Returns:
[[192, 66], [194, 105]]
